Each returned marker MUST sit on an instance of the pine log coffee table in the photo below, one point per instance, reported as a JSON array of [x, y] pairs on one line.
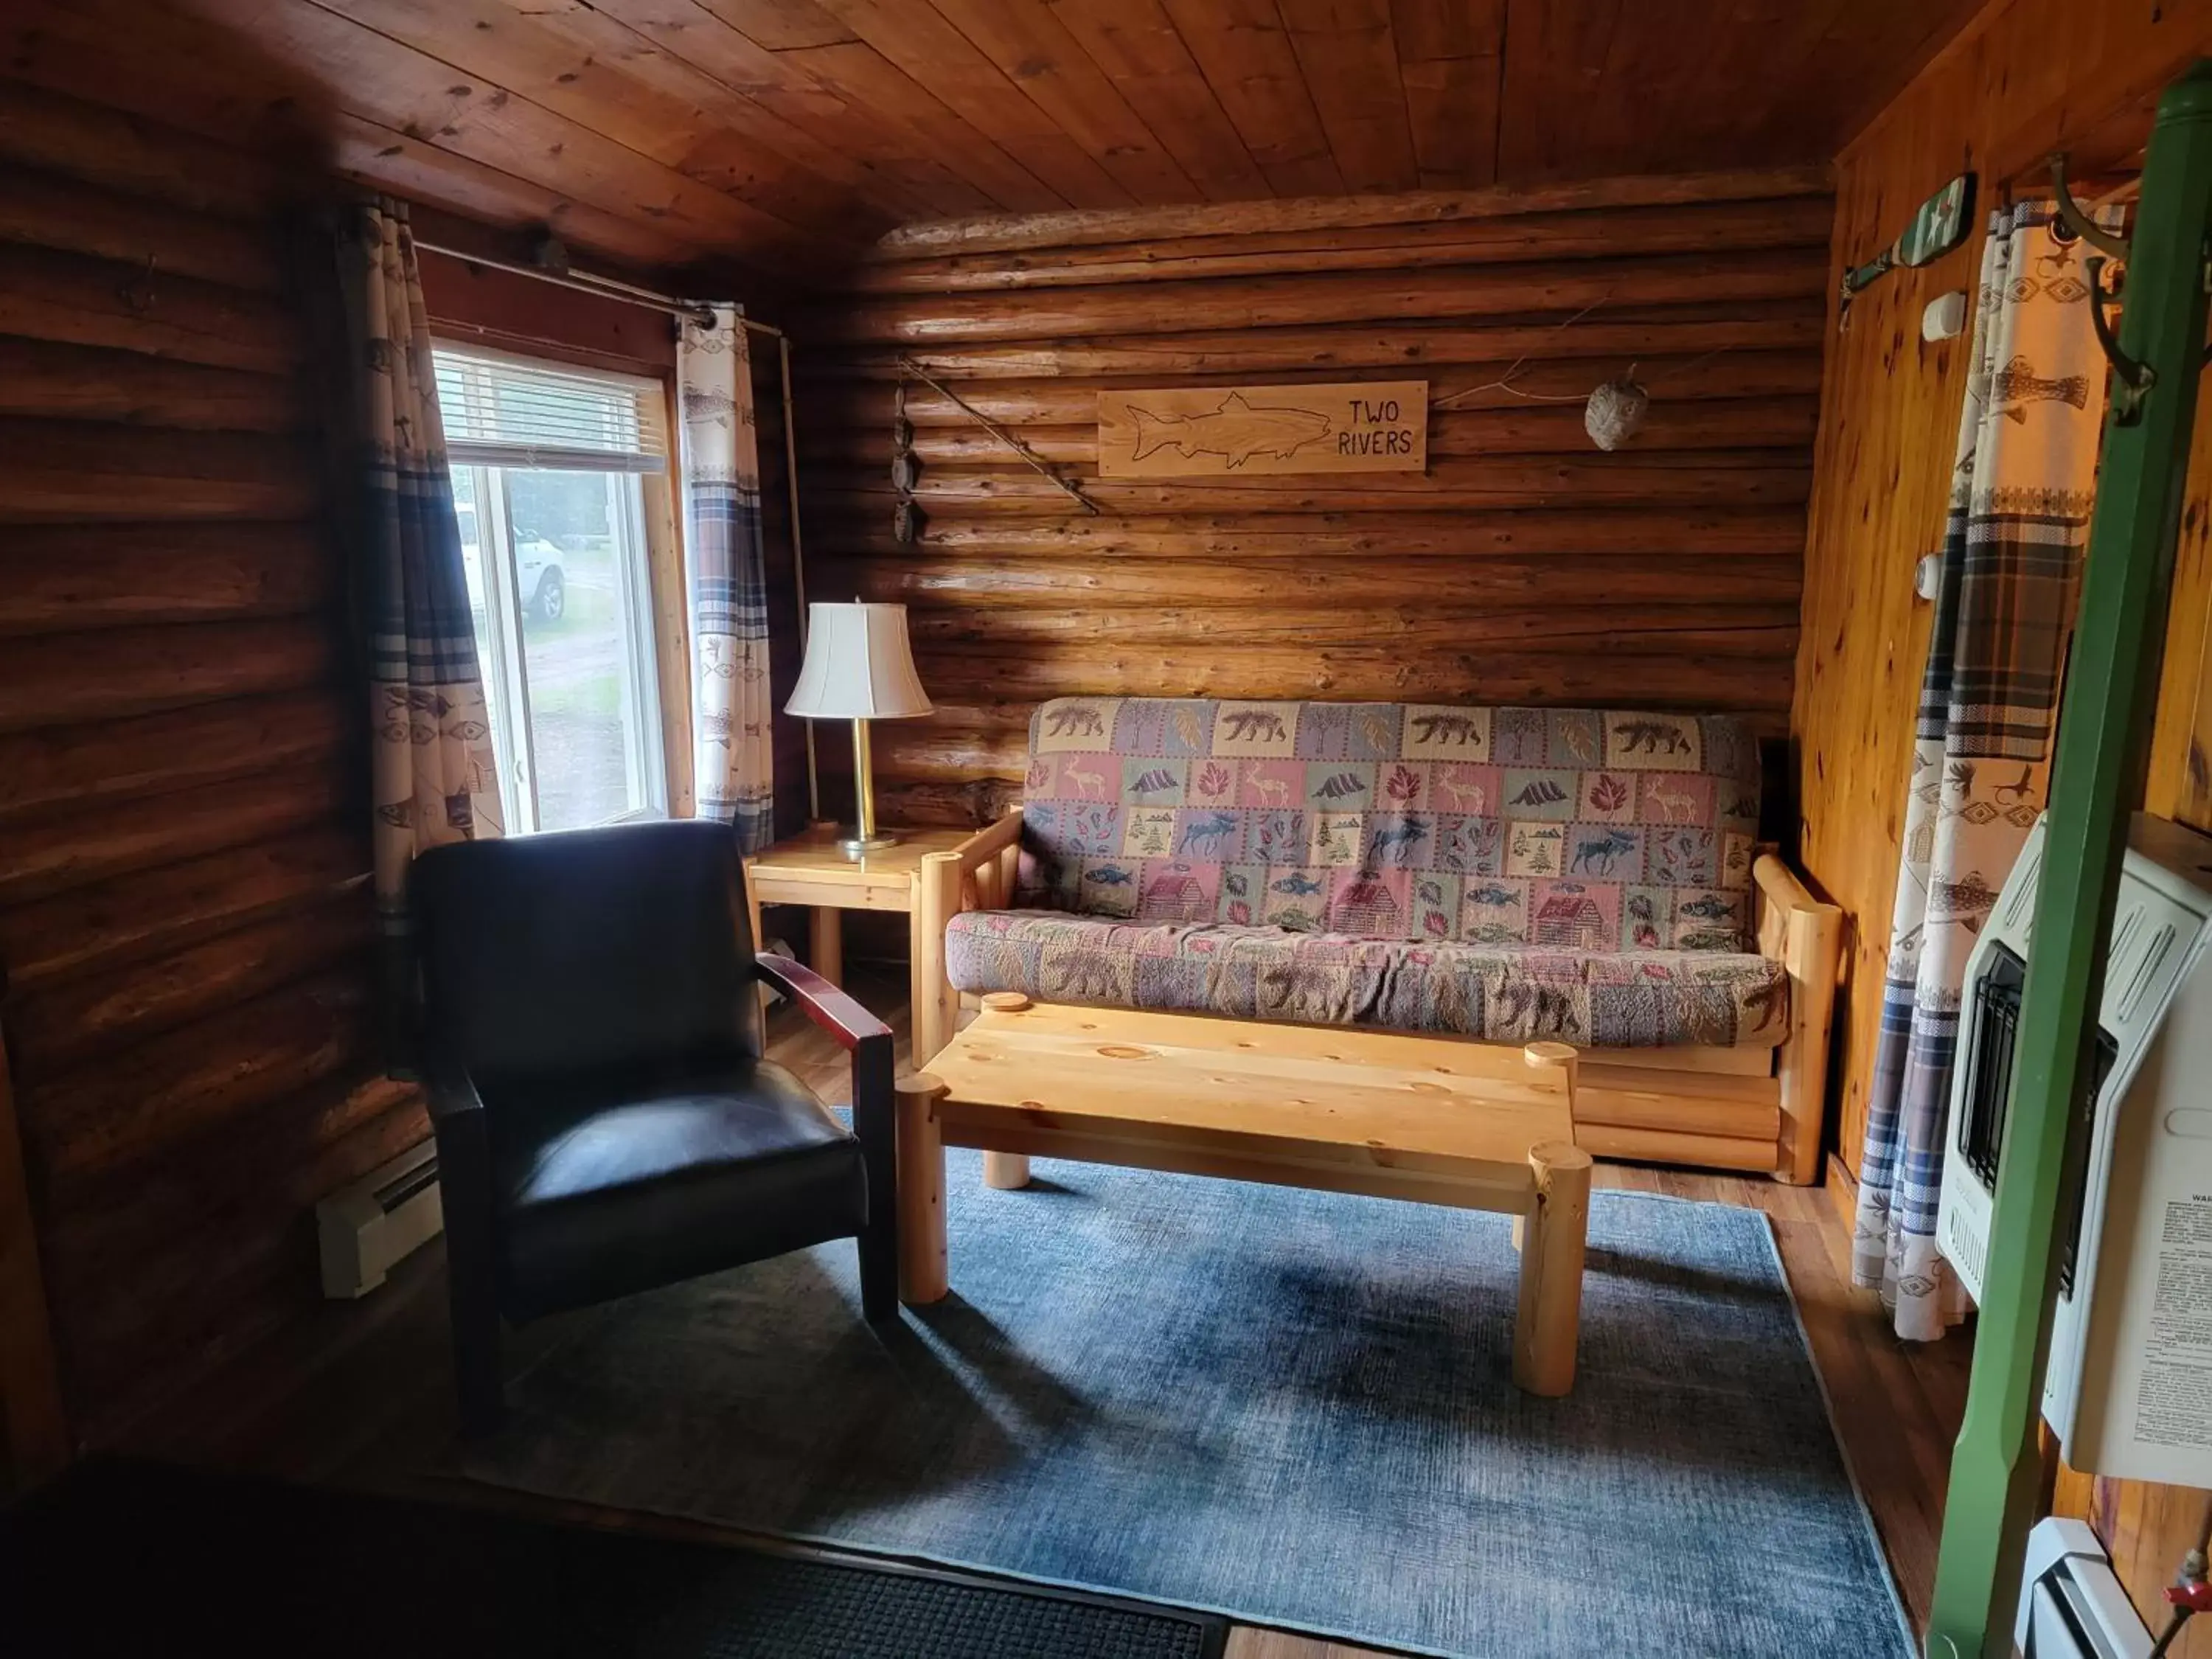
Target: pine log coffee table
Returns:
[[1444, 1121]]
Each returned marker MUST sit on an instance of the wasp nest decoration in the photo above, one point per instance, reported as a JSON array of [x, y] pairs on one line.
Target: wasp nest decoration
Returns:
[[1615, 412]]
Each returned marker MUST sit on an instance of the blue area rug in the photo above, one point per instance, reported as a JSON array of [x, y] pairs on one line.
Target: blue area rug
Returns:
[[1295, 1408]]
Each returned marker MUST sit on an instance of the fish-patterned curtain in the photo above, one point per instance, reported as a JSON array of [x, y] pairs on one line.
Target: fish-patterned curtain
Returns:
[[734, 761], [2020, 494], [433, 777]]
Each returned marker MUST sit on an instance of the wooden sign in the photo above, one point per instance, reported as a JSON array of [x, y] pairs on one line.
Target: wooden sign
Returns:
[[1233, 432]]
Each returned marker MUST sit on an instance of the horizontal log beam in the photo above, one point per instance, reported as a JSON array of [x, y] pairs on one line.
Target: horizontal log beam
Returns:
[[96, 842], [1765, 325], [60, 382], [833, 404], [1260, 588], [79, 576], [1522, 429], [108, 147], [1413, 534], [972, 804], [1677, 479], [52, 210], [146, 1098], [940, 754], [56, 679], [1373, 672], [1711, 627], [279, 1158], [93, 471], [75, 1022], [1007, 232], [108, 761], [162, 910], [1800, 221], [49, 295], [1306, 301]]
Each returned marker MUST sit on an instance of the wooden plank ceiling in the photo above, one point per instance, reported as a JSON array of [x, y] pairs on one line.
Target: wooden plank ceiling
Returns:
[[663, 131]]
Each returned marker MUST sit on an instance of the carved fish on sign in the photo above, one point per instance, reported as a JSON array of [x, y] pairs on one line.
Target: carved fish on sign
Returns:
[[1236, 431], [1243, 431]]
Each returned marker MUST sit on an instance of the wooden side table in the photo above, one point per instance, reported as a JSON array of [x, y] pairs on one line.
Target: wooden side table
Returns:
[[930, 874]]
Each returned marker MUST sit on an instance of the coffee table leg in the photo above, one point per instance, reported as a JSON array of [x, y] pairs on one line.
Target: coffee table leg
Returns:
[[1553, 1243], [922, 1271], [1005, 1171]]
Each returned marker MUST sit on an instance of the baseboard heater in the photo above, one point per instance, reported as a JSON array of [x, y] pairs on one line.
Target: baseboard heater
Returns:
[[2071, 1605], [366, 1228]]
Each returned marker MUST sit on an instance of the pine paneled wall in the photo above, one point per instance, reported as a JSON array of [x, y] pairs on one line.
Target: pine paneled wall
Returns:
[[184, 922], [1524, 565], [2026, 77]]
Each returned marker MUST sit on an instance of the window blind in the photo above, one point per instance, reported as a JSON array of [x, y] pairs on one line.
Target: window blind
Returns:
[[501, 412]]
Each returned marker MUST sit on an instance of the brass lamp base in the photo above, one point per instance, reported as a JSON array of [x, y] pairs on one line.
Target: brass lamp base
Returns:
[[865, 837]]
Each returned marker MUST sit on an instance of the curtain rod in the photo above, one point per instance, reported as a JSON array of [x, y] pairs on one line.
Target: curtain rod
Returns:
[[606, 287]]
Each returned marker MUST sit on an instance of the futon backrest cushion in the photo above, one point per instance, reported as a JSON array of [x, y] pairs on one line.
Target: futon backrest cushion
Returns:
[[1581, 828]]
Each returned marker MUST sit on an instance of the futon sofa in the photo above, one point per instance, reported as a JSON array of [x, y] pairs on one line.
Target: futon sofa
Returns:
[[1502, 874]]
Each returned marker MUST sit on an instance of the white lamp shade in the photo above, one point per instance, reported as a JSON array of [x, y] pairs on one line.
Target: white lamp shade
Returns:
[[859, 666]]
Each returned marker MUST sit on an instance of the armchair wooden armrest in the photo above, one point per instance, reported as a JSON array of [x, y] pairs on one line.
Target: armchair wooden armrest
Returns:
[[463, 1128], [868, 1041], [1806, 936], [835, 1012]]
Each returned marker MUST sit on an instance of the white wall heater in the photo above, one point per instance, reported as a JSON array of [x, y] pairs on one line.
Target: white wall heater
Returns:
[[366, 1227], [2129, 1389]]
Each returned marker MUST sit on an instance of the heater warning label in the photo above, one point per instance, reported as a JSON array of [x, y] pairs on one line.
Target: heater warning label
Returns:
[[2173, 1404]]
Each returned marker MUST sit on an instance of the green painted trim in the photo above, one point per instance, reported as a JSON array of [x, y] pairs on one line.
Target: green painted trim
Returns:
[[2097, 776]]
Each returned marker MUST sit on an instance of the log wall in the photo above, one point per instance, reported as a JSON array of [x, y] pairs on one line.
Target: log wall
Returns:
[[183, 918], [2027, 77], [1524, 564]]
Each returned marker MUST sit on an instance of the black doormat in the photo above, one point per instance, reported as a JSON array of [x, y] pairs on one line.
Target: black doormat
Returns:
[[122, 1556]]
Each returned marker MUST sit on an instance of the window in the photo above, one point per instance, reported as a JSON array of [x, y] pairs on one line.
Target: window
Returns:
[[557, 475]]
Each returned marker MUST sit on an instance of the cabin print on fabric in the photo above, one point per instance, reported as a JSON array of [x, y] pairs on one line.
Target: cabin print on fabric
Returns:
[[1585, 829], [1237, 431]]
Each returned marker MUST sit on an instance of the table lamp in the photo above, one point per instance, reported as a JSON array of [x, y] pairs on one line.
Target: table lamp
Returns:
[[860, 668]]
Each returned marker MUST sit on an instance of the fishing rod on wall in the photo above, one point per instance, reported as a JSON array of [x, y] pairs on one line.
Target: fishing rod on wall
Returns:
[[551, 265]]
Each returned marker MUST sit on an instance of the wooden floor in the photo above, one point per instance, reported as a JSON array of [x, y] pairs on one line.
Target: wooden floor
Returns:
[[359, 1395]]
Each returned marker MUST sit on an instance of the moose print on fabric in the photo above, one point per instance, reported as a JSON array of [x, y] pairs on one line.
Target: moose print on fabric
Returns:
[[1502, 873], [1588, 828]]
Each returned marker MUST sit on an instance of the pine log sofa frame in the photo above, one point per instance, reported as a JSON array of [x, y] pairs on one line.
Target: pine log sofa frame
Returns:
[[1754, 1110]]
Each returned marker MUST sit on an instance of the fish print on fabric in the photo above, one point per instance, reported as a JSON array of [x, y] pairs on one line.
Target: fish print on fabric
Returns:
[[1413, 822]]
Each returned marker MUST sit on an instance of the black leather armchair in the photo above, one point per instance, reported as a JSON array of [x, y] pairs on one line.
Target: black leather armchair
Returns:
[[606, 1119]]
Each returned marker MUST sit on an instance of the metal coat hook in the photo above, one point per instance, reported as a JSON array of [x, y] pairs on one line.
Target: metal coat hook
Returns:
[[2071, 216], [2130, 380]]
